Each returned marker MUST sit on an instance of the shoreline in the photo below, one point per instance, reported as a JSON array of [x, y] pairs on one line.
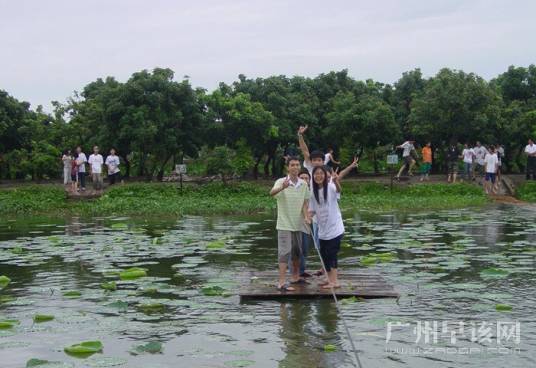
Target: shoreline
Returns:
[[161, 199]]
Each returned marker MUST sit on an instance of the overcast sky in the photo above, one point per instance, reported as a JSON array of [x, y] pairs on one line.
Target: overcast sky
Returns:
[[51, 48]]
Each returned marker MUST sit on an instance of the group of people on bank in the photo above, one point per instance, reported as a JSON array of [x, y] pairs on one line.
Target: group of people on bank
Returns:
[[75, 170], [477, 160]]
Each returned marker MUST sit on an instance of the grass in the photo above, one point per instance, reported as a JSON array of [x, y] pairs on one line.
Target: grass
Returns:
[[527, 191], [216, 198]]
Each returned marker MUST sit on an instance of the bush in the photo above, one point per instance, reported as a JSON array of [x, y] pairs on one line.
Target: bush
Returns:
[[527, 192]]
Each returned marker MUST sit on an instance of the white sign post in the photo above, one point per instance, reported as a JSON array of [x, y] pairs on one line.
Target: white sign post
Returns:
[[392, 160], [180, 169]]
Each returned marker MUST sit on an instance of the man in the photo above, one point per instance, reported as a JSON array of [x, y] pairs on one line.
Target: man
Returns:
[[316, 158], [426, 161], [453, 154], [530, 151], [409, 162], [95, 163], [492, 164], [81, 163], [329, 160], [112, 162], [292, 195], [480, 154], [468, 155]]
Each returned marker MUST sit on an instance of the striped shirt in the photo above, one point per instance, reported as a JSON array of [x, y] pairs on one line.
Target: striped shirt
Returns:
[[290, 203]]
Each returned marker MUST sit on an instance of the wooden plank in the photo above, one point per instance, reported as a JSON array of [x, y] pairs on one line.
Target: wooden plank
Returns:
[[261, 285]]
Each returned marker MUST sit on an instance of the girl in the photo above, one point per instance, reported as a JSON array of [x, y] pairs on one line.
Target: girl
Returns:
[[67, 160], [324, 205], [74, 174]]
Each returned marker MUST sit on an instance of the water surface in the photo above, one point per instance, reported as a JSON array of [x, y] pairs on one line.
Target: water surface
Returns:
[[450, 267]]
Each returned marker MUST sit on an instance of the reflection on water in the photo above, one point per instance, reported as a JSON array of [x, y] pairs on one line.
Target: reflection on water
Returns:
[[449, 266]]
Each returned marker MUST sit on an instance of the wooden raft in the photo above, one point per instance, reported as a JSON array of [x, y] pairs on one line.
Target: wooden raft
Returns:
[[362, 284]]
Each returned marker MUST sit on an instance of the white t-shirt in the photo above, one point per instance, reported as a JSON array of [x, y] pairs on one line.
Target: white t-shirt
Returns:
[[309, 166], [81, 162], [530, 149], [112, 161], [328, 214], [491, 161], [468, 154], [96, 161], [408, 147], [327, 158], [480, 153]]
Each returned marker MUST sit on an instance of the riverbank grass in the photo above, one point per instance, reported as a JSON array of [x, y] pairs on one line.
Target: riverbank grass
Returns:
[[238, 198]]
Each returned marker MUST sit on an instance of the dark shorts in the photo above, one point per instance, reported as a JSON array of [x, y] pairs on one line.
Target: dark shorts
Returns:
[[73, 177], [329, 250], [408, 159], [452, 167], [490, 177]]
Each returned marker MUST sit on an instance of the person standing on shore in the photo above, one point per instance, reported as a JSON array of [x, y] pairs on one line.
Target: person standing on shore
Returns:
[[409, 162], [112, 162], [492, 164], [81, 164], [426, 161], [329, 160], [95, 163], [468, 155], [453, 154], [292, 195], [480, 154], [530, 151], [74, 174], [67, 160]]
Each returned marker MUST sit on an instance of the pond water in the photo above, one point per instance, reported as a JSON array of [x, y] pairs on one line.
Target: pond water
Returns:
[[463, 275]]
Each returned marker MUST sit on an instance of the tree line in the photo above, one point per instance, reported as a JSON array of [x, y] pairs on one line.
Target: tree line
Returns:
[[155, 121]]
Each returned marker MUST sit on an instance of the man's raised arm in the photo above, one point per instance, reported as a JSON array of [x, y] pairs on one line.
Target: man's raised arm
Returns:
[[301, 142]]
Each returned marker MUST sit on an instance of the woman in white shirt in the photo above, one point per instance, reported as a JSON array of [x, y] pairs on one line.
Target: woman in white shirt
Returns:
[[324, 205], [67, 159]]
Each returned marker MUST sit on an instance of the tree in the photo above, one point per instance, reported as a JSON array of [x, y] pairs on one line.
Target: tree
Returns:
[[362, 121], [455, 105]]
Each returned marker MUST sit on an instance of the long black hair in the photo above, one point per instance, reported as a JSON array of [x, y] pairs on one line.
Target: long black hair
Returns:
[[316, 186]]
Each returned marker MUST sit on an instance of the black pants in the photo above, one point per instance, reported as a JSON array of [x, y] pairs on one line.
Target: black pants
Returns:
[[329, 250], [531, 168], [113, 178], [82, 179]]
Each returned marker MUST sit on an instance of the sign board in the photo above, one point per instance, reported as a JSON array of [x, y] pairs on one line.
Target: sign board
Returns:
[[392, 159], [180, 169]]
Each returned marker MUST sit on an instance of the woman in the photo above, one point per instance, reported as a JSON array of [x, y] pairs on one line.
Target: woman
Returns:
[[67, 159], [74, 174], [324, 205]]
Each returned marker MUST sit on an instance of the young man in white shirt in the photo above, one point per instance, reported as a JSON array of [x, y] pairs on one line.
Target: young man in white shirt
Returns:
[[530, 151], [409, 162], [468, 155], [81, 163], [491, 163], [112, 162], [480, 154], [95, 163], [329, 160]]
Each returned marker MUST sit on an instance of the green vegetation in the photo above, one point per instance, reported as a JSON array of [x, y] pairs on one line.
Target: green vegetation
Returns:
[[167, 199], [155, 121], [527, 192]]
